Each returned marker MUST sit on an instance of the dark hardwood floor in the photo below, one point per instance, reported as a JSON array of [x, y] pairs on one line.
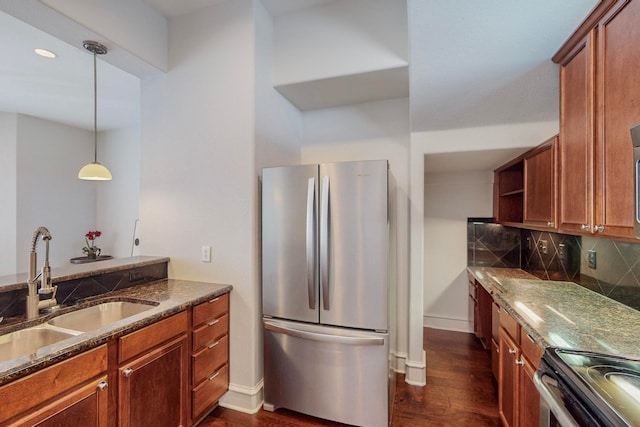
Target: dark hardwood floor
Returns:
[[460, 392]]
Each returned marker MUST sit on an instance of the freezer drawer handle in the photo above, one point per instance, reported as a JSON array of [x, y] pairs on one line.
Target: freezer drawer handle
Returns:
[[323, 337], [311, 242], [324, 243]]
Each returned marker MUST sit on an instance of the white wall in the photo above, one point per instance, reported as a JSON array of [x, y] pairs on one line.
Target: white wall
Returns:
[[449, 199], [198, 182], [340, 38], [118, 199], [49, 193], [8, 192], [377, 130], [278, 124]]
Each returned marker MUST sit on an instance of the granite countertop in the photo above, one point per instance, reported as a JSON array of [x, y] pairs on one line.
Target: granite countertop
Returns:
[[563, 314], [12, 282], [171, 296]]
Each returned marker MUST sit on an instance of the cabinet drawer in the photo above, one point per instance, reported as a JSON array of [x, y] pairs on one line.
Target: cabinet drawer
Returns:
[[531, 350], [32, 390], [210, 310], [510, 325], [211, 358], [212, 389], [209, 332], [152, 335]]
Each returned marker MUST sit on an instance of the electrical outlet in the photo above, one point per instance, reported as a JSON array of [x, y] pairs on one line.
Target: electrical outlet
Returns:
[[542, 246], [206, 254], [562, 251], [592, 259]]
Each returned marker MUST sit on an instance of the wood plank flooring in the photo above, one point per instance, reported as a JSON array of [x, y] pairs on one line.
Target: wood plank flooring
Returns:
[[460, 392]]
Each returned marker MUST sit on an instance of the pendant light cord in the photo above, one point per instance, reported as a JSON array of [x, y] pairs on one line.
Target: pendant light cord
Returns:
[[95, 111]]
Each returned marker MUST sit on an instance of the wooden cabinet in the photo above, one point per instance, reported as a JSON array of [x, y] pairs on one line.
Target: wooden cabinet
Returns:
[[509, 192], [495, 340], [518, 398], [599, 92], [481, 302], [525, 189], [152, 385], [72, 392], [210, 355], [540, 185]]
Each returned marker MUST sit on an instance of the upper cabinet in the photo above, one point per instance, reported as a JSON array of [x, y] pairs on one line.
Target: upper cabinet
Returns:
[[540, 185], [599, 92], [525, 188]]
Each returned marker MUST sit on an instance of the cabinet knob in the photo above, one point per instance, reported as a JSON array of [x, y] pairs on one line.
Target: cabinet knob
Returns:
[[585, 227], [599, 228], [127, 372], [519, 362], [550, 224], [512, 351], [102, 385]]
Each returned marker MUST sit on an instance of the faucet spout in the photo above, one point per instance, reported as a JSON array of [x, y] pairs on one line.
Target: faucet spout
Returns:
[[34, 303]]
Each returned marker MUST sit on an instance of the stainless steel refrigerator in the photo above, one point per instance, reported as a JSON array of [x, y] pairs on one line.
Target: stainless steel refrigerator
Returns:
[[325, 291]]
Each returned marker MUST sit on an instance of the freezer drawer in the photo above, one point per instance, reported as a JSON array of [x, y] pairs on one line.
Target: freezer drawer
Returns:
[[332, 373]]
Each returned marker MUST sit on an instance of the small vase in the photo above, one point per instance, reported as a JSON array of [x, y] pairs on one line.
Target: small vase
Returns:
[[92, 255]]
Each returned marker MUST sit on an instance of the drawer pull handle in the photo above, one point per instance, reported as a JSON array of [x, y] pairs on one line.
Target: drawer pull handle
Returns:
[[213, 322], [212, 377], [213, 344], [127, 372], [520, 362], [214, 300], [102, 385]]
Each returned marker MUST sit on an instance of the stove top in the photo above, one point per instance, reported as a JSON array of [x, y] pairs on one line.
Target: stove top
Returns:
[[608, 386]]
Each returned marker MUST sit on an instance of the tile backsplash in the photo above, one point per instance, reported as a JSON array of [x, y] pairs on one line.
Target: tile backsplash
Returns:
[[554, 256]]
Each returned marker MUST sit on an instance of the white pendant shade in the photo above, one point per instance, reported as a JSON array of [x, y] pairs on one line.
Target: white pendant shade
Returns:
[[94, 172]]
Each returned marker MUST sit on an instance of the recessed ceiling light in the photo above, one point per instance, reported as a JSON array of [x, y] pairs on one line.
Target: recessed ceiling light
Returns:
[[44, 53]]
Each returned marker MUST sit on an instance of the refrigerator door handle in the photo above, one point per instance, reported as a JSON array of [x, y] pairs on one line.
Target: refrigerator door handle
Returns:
[[315, 336], [311, 240], [324, 242]]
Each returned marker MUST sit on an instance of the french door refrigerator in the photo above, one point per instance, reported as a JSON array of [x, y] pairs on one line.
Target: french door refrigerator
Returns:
[[325, 291]]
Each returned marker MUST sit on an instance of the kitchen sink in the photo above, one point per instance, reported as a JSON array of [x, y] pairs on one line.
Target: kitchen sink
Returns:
[[26, 341], [97, 316]]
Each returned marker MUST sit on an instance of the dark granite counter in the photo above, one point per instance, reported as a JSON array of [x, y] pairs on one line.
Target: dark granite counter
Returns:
[[170, 295], [563, 314]]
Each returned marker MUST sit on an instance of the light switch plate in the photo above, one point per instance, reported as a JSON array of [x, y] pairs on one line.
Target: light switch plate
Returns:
[[206, 253]]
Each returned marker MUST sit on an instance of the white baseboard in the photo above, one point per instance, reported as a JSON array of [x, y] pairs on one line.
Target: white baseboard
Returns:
[[399, 360], [243, 399], [416, 371], [447, 323]]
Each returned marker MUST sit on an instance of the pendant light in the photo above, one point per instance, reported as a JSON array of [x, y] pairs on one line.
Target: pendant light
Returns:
[[94, 171]]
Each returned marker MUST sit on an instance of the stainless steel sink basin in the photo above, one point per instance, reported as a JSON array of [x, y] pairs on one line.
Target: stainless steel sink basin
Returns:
[[97, 316], [26, 341]]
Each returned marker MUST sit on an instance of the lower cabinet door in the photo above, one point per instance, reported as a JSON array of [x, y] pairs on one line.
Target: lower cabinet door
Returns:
[[84, 406], [508, 380], [152, 387], [529, 397]]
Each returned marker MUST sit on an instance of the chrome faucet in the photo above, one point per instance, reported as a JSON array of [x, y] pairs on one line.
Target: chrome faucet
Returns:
[[34, 303]]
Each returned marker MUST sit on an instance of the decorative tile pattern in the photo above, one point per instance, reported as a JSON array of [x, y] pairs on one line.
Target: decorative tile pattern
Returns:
[[492, 245], [617, 272]]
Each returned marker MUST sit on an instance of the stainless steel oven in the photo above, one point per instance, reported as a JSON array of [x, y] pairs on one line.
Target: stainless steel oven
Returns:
[[585, 389]]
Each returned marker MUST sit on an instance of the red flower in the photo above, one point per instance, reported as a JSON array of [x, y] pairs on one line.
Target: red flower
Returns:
[[91, 235]]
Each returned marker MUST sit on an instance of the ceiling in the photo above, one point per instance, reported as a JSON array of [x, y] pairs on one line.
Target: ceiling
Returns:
[[472, 64]]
